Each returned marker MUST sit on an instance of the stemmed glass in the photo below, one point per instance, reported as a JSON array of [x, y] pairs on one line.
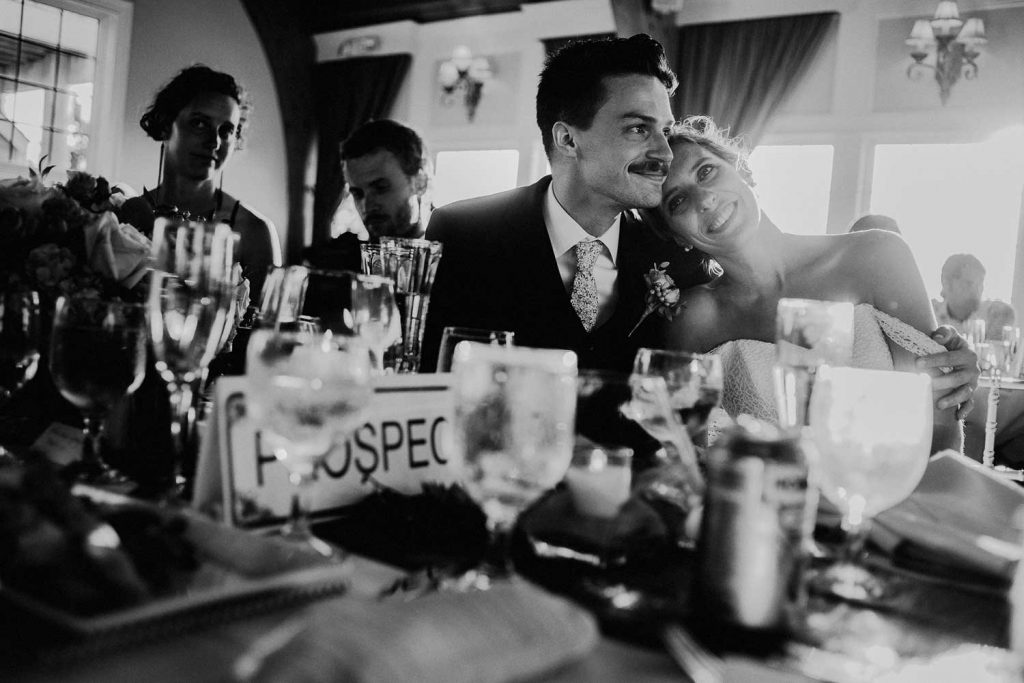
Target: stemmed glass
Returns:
[[97, 356], [871, 432], [190, 299], [997, 357], [512, 433], [451, 336], [694, 383], [375, 315], [308, 392]]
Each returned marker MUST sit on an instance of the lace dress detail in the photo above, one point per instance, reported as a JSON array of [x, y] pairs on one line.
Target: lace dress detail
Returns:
[[747, 363]]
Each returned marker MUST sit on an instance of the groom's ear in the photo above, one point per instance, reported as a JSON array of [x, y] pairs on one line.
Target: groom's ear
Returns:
[[562, 136]]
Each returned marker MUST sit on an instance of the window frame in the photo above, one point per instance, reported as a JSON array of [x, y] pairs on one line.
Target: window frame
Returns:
[[109, 87]]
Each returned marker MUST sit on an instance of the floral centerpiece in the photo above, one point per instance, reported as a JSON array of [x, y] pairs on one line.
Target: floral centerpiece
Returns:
[[66, 238]]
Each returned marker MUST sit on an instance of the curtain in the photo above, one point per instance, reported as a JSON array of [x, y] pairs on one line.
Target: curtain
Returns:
[[348, 93], [739, 72]]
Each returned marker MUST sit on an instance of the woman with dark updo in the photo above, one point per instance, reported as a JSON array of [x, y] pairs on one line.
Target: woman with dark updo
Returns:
[[198, 118]]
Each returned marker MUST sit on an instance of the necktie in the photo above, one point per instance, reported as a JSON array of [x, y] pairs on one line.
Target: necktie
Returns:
[[584, 286]]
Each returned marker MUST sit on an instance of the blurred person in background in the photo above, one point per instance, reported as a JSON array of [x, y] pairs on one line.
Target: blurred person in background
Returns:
[[961, 302], [875, 221]]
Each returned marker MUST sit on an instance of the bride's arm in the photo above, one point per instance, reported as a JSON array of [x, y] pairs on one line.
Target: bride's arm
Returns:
[[897, 288]]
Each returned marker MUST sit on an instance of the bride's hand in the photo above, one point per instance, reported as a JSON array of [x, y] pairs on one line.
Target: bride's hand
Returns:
[[956, 387]]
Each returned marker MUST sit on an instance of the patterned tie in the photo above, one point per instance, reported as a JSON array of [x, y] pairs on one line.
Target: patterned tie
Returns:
[[584, 286]]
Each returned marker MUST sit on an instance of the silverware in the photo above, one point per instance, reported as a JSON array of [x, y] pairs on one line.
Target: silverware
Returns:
[[695, 661]]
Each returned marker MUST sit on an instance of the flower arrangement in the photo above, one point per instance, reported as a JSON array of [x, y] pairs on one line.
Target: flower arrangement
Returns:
[[66, 238], [662, 294]]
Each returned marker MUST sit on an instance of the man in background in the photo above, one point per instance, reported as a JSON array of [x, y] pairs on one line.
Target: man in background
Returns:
[[386, 171], [963, 283]]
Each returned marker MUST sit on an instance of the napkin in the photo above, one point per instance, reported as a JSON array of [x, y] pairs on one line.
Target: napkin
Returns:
[[513, 631], [959, 522]]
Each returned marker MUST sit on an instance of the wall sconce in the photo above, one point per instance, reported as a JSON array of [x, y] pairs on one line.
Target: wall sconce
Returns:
[[360, 46], [954, 42], [466, 74]]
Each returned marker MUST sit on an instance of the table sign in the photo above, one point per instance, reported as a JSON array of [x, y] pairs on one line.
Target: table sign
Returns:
[[401, 445]]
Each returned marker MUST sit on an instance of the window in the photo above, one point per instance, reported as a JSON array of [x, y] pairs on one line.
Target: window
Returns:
[[464, 174], [793, 185], [952, 198], [57, 82]]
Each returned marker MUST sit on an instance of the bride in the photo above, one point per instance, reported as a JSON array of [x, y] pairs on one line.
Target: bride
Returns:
[[708, 204]]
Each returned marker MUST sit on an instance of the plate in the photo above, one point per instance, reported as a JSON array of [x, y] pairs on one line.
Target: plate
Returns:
[[236, 570]]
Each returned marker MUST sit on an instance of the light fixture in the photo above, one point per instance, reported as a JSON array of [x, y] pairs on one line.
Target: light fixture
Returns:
[[667, 6], [953, 42], [359, 46], [463, 73]]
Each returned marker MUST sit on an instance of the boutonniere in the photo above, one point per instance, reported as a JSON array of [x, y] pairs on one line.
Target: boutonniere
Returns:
[[662, 295]]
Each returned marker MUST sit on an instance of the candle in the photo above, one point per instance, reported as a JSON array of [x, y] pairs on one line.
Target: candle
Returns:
[[599, 480]]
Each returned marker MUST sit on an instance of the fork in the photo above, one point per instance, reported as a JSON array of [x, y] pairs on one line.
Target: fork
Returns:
[[699, 665]]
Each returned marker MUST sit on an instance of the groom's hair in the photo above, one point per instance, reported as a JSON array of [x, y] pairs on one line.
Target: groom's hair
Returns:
[[572, 86]]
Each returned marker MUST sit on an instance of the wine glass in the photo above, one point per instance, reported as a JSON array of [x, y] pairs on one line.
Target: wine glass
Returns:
[[20, 337], [512, 433], [97, 356], [871, 432], [694, 383], [308, 392], [451, 336], [375, 315], [998, 355], [189, 308]]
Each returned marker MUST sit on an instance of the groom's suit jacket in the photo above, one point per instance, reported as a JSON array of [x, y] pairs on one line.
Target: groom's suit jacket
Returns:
[[498, 271]]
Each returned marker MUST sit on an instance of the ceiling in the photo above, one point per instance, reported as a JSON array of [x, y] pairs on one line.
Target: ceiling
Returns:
[[322, 16]]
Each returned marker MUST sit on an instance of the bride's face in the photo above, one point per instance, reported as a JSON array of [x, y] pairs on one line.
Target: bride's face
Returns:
[[705, 202]]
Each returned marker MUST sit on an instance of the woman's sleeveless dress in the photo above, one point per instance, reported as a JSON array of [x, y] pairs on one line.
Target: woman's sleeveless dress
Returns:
[[747, 363]]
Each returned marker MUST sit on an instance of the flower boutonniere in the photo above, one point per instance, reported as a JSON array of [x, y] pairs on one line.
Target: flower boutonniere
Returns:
[[662, 295]]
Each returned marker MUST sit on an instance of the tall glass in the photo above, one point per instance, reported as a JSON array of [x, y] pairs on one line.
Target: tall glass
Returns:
[[97, 356], [872, 432], [998, 357], [189, 307], [512, 432], [412, 264], [451, 336], [307, 392], [375, 316]]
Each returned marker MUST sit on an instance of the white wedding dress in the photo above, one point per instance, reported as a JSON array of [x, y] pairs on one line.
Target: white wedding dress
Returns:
[[747, 363]]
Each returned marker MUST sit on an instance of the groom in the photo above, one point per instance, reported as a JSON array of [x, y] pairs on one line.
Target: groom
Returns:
[[562, 263]]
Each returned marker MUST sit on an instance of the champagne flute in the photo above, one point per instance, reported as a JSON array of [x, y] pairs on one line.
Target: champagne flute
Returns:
[[375, 315], [871, 431], [997, 357], [512, 433], [308, 392], [97, 356], [190, 298]]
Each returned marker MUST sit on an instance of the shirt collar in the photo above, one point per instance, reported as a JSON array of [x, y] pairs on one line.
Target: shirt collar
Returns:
[[564, 232]]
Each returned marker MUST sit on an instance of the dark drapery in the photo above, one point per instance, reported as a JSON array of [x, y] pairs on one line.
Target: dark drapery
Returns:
[[739, 72], [348, 93]]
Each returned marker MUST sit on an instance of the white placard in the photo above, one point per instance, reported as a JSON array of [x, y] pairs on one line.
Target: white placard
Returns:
[[401, 446]]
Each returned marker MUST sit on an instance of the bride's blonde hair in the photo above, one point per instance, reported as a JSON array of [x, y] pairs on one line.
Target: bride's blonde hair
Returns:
[[704, 132]]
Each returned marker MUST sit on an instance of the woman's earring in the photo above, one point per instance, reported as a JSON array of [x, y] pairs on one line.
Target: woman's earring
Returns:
[[687, 247]]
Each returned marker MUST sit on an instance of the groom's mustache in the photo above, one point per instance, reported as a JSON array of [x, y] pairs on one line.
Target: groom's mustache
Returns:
[[650, 167]]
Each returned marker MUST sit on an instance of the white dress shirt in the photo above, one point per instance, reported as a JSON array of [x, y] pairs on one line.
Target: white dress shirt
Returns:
[[564, 233]]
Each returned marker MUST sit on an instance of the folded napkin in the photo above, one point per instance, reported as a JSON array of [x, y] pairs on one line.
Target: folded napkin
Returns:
[[513, 631], [960, 522]]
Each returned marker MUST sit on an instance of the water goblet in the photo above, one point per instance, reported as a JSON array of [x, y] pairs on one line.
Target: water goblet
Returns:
[[375, 316], [512, 434], [694, 383], [451, 336], [308, 392], [871, 431], [97, 356]]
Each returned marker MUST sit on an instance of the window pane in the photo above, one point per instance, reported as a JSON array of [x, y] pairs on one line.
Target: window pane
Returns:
[[38, 64], [40, 22], [954, 198], [10, 16], [78, 33], [30, 106], [30, 143], [75, 70], [461, 175], [793, 185]]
